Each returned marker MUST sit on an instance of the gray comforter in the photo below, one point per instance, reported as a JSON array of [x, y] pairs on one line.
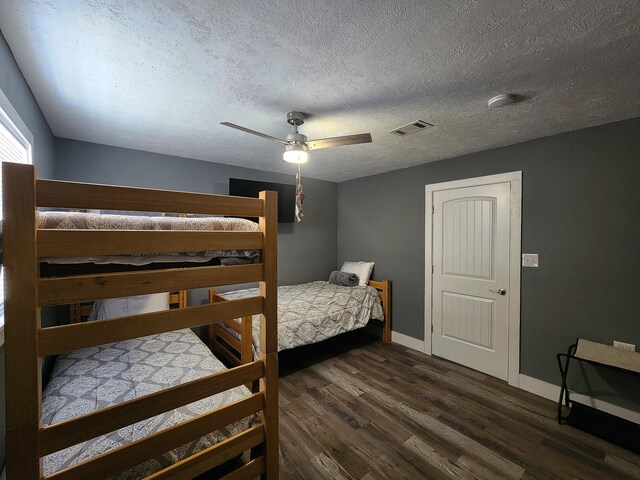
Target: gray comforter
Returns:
[[312, 312], [93, 378]]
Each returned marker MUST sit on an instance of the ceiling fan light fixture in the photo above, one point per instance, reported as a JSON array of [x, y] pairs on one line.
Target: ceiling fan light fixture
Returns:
[[296, 153], [296, 145]]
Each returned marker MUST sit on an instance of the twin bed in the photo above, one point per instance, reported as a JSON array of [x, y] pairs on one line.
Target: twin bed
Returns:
[[135, 393], [307, 314]]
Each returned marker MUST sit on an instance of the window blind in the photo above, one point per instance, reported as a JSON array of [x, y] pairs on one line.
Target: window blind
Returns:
[[13, 148]]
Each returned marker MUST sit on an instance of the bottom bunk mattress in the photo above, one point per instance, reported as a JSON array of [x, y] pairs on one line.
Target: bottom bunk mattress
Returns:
[[93, 378], [312, 312]]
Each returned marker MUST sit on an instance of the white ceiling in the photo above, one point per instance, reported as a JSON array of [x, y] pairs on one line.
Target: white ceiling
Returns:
[[161, 75]]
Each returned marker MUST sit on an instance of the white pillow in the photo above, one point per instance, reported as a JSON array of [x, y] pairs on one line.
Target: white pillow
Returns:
[[362, 269], [122, 307]]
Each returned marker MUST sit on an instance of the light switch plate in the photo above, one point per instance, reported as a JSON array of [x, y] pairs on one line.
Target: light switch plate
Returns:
[[529, 259]]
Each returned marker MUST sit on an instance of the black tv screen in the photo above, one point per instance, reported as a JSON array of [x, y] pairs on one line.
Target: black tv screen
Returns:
[[251, 188]]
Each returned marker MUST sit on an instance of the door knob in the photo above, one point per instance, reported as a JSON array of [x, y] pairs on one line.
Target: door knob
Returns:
[[500, 291]]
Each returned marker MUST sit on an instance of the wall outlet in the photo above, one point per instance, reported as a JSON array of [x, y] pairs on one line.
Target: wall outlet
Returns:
[[624, 346], [530, 260]]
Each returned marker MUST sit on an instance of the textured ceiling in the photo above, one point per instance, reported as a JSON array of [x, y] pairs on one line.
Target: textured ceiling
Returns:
[[161, 75]]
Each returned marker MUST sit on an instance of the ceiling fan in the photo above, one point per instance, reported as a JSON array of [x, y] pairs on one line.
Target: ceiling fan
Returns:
[[296, 146]]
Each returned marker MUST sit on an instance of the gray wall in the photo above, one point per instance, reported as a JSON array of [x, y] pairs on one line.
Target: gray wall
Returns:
[[14, 86], [306, 251], [581, 198]]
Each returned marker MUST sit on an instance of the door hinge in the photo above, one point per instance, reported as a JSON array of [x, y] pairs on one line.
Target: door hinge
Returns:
[[431, 328], [432, 269], [433, 209]]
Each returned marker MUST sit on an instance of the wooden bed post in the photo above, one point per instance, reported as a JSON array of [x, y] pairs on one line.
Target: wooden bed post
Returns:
[[386, 305], [269, 332], [384, 292], [246, 337], [182, 299], [23, 378]]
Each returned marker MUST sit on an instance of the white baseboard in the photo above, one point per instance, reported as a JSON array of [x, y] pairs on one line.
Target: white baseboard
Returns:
[[539, 387], [407, 341], [552, 392]]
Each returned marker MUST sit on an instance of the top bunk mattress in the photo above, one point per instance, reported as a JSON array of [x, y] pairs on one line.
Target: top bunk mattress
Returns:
[[103, 221]]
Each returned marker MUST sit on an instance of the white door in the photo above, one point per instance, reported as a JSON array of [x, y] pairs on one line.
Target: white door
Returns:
[[470, 296]]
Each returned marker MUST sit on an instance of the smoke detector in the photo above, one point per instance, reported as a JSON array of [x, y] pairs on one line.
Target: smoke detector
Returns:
[[501, 100], [412, 127]]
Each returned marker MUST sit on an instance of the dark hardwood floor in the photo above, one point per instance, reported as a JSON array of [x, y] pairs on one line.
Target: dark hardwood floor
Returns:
[[352, 409]]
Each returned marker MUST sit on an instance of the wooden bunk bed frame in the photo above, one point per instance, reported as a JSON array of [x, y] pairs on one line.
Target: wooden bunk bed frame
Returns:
[[27, 342], [239, 351]]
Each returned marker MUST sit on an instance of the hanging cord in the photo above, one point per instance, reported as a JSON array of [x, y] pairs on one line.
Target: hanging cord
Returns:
[[300, 196]]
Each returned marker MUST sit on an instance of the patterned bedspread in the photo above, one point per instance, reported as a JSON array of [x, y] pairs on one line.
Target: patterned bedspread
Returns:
[[312, 312], [101, 221], [94, 378]]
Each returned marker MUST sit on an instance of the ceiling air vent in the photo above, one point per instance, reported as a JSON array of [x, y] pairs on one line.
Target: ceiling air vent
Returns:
[[412, 127]]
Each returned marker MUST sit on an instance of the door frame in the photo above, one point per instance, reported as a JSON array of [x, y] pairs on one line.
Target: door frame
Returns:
[[515, 252]]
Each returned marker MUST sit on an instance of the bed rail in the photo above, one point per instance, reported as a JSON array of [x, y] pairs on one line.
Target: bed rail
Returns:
[[64, 338], [27, 341], [59, 194], [64, 290]]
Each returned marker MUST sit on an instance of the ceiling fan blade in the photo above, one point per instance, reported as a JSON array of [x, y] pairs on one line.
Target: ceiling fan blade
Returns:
[[339, 141], [253, 132]]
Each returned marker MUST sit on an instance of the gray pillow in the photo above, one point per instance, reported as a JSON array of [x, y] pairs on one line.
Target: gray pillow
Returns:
[[343, 278]]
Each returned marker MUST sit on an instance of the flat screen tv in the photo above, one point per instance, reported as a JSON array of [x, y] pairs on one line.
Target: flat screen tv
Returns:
[[251, 188]]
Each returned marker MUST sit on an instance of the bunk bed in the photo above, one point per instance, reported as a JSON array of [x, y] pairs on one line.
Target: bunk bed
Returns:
[[307, 313], [213, 417]]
